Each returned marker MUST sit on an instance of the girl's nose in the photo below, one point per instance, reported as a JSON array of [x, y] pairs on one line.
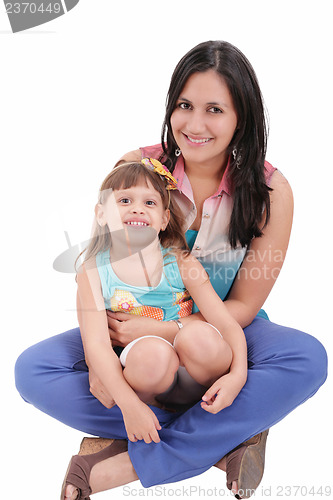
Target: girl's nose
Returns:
[[137, 208]]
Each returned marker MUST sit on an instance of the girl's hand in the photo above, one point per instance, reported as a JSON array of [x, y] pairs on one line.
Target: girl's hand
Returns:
[[222, 393], [98, 390], [124, 327], [141, 422]]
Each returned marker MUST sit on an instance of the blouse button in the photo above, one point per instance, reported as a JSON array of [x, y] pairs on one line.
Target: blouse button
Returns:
[[206, 216], [197, 248]]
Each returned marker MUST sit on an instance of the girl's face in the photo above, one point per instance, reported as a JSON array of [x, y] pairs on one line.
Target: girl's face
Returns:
[[138, 207], [204, 120]]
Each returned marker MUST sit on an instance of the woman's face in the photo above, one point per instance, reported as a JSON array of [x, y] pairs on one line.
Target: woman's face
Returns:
[[204, 120]]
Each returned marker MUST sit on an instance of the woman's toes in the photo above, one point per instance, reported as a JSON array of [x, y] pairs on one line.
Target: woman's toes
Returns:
[[234, 489]]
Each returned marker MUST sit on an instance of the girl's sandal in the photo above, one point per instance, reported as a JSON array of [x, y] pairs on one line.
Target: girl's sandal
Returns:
[[79, 468], [245, 465]]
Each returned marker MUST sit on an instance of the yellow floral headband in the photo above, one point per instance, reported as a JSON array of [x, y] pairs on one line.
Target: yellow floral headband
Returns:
[[162, 171]]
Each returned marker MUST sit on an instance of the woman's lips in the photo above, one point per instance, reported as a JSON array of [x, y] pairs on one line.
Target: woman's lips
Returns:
[[197, 141]]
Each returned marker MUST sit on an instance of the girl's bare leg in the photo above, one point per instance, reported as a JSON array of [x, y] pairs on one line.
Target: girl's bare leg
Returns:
[[203, 352], [206, 357], [150, 369]]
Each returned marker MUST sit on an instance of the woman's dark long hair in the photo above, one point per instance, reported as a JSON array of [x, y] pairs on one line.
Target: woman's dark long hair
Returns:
[[247, 179]]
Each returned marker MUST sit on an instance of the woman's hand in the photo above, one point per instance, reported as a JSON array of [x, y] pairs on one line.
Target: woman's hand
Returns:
[[124, 327], [98, 390], [222, 393], [140, 422]]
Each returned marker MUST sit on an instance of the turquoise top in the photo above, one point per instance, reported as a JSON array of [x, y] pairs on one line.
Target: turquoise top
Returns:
[[168, 300], [221, 286]]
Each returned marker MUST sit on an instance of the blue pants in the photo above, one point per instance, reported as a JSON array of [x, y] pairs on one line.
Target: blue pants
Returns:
[[286, 367]]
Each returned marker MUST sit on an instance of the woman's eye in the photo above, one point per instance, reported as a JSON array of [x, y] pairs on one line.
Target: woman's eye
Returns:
[[215, 110], [184, 105]]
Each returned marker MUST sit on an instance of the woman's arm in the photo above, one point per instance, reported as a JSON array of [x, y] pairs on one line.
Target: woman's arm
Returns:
[[253, 283], [265, 257]]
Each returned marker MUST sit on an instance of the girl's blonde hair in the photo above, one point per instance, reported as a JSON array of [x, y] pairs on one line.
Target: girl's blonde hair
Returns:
[[124, 176]]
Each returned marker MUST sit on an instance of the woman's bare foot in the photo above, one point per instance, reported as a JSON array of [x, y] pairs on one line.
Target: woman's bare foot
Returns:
[[107, 474], [70, 492], [234, 489], [222, 464]]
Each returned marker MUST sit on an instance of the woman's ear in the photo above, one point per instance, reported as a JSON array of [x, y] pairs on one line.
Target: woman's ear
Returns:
[[165, 219], [99, 213]]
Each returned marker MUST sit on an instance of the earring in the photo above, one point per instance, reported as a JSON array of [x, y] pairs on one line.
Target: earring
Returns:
[[237, 157], [178, 152]]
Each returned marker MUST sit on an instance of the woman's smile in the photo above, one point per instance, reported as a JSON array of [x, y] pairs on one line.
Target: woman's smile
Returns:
[[197, 140], [204, 120]]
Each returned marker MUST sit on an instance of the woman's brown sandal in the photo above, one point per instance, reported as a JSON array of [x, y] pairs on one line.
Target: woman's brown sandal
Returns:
[[245, 465], [79, 468]]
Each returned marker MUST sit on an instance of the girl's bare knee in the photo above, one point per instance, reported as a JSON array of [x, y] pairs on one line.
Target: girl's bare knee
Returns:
[[197, 340], [203, 352], [149, 363]]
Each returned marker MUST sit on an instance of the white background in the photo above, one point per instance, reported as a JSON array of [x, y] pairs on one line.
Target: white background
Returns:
[[78, 92]]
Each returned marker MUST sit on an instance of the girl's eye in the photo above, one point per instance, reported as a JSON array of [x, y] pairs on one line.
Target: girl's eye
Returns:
[[150, 202], [124, 201]]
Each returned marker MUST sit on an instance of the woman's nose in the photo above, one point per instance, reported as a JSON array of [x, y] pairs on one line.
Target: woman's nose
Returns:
[[195, 124]]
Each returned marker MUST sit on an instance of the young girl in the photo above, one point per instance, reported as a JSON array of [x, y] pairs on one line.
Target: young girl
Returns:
[[138, 262]]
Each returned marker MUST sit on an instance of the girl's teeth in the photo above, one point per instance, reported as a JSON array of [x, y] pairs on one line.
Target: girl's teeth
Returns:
[[197, 141], [134, 223]]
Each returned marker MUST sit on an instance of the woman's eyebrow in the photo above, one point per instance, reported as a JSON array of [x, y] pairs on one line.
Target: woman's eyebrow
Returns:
[[222, 104], [213, 103]]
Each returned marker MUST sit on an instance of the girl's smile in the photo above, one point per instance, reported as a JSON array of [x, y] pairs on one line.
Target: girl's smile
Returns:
[[137, 207], [138, 223]]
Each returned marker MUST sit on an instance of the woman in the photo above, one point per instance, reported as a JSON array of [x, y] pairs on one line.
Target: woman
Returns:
[[239, 214]]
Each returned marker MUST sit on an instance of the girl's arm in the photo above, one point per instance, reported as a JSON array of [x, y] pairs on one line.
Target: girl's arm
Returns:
[[214, 311], [96, 342], [140, 421], [225, 389], [265, 257]]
